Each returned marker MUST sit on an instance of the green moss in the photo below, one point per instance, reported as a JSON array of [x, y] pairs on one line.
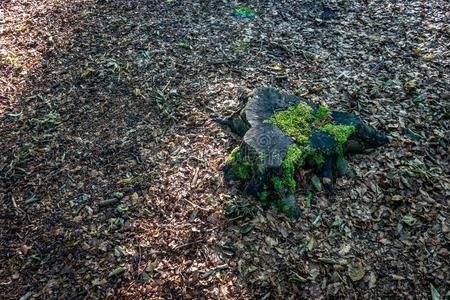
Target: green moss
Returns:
[[234, 155], [318, 159], [315, 156], [283, 207], [288, 206], [340, 132], [322, 113], [244, 12], [242, 170], [277, 184], [340, 150], [263, 196], [239, 167], [294, 157], [295, 121], [309, 198]]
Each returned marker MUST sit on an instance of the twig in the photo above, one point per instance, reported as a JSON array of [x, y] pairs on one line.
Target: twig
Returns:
[[277, 75], [17, 208], [108, 202], [223, 62], [187, 244], [167, 84], [194, 180], [196, 206]]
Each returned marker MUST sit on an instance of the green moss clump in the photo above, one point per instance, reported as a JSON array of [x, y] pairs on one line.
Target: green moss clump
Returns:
[[315, 156], [233, 155], [294, 157], [283, 207], [322, 113], [239, 167], [242, 170], [244, 12], [264, 195], [340, 132], [295, 121], [277, 184]]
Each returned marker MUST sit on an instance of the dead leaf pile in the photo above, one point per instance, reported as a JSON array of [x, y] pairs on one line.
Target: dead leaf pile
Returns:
[[110, 182]]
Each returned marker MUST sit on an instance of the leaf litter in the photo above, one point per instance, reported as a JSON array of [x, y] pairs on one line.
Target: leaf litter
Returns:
[[109, 170]]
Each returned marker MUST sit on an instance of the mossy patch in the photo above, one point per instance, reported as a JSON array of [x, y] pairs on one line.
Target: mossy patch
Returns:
[[340, 132], [233, 155], [264, 195], [277, 184], [322, 113], [315, 156], [294, 157], [298, 121], [242, 170], [288, 206], [240, 167], [295, 121], [245, 12]]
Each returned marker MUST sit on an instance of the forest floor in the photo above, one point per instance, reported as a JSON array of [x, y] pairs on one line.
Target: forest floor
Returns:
[[110, 181]]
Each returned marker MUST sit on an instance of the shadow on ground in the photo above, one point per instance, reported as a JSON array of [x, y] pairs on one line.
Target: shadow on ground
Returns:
[[102, 141]]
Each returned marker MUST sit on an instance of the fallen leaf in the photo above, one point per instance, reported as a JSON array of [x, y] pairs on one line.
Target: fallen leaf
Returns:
[[409, 220], [397, 198], [356, 273], [252, 268], [434, 293], [270, 241], [116, 271], [310, 244]]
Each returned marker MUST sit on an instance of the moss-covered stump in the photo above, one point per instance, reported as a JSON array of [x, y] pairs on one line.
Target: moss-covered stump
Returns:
[[283, 133]]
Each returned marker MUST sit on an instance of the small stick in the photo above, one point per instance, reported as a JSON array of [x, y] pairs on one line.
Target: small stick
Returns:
[[194, 180], [18, 209], [108, 202], [168, 82]]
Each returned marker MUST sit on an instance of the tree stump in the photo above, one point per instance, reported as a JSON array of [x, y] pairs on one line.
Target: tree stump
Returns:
[[282, 133]]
